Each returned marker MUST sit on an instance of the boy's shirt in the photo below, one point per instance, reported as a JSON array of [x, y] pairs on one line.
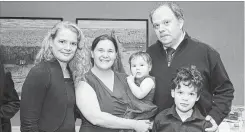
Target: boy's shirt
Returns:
[[169, 121]]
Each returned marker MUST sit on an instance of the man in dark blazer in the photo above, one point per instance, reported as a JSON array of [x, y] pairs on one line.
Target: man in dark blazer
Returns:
[[9, 100]]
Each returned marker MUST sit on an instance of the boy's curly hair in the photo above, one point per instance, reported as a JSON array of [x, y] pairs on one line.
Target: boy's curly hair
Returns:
[[190, 76]]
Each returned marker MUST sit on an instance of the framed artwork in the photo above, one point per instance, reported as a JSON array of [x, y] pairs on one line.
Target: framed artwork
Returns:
[[130, 34], [20, 41]]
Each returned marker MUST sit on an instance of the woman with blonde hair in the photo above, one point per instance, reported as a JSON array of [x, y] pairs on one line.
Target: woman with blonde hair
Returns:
[[48, 95]]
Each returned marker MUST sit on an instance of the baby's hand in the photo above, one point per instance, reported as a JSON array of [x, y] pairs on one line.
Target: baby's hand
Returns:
[[130, 79]]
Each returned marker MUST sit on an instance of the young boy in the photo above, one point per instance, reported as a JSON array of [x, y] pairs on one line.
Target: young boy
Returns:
[[183, 116]]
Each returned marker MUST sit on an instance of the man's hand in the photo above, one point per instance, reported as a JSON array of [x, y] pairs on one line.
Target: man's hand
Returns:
[[214, 127]]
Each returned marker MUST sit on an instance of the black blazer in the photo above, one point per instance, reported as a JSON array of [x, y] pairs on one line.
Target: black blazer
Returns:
[[9, 100], [43, 99]]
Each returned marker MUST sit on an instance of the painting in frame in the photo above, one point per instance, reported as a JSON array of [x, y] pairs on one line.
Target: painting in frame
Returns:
[[131, 34], [20, 41]]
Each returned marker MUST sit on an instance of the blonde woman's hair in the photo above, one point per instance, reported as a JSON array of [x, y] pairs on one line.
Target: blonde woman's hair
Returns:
[[80, 63], [45, 53]]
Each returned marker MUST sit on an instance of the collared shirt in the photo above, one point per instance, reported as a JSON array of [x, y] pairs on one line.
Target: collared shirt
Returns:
[[169, 121], [176, 46]]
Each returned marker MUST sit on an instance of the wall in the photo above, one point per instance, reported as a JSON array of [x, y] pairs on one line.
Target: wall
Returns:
[[220, 24]]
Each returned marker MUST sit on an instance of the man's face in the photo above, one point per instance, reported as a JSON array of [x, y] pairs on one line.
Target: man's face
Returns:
[[167, 27]]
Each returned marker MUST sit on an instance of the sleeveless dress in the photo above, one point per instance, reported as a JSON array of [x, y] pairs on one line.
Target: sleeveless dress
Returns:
[[114, 102], [142, 108]]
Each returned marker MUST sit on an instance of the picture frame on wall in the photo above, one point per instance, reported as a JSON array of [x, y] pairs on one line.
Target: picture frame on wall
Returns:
[[20, 41], [131, 34]]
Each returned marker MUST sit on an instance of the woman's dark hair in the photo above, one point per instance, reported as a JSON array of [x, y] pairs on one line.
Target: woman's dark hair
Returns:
[[104, 37], [100, 38], [190, 76]]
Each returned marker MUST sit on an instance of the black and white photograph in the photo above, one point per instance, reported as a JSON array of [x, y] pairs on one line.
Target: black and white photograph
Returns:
[[122, 66], [20, 41]]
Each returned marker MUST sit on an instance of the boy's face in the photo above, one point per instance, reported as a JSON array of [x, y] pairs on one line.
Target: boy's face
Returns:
[[139, 67], [184, 97]]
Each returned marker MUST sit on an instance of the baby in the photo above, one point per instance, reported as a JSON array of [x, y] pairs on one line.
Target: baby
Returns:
[[142, 85]]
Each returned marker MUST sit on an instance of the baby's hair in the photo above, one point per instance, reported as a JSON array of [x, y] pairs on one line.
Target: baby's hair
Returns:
[[145, 56], [189, 76]]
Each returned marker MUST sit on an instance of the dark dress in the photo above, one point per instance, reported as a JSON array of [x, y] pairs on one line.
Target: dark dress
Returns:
[[142, 108], [115, 102], [149, 97]]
